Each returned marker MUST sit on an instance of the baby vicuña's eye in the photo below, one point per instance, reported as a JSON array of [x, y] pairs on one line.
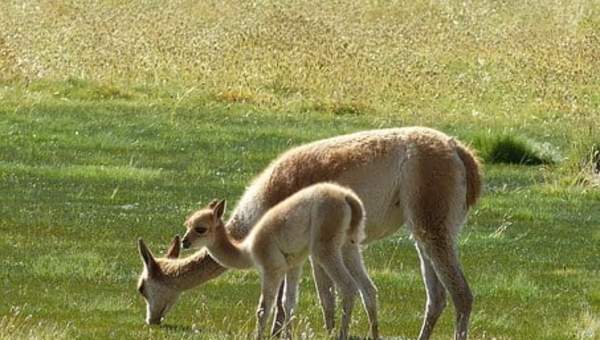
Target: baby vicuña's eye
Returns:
[[200, 230]]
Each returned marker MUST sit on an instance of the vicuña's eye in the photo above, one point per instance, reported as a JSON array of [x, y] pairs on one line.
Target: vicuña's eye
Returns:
[[200, 230]]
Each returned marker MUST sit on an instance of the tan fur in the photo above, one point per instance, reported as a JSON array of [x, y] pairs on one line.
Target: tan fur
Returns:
[[161, 283], [183, 273], [356, 233], [317, 162], [323, 220], [473, 168], [434, 175]]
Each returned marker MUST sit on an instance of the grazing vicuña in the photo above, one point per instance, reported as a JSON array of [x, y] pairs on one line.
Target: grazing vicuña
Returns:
[[415, 176]]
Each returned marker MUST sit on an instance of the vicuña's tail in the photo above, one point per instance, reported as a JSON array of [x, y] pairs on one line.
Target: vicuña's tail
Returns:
[[474, 181], [357, 222]]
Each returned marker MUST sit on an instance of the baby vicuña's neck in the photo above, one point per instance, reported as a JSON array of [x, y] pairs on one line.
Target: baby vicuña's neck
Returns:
[[229, 252]]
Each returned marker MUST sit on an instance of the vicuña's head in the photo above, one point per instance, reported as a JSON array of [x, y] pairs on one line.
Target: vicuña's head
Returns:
[[202, 224], [153, 284]]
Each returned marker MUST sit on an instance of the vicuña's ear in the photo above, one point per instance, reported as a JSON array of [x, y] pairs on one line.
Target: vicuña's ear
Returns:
[[174, 248], [213, 203], [148, 258], [219, 209]]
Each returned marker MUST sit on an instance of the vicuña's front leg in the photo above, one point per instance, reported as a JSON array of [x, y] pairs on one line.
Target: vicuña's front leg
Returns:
[[269, 287]]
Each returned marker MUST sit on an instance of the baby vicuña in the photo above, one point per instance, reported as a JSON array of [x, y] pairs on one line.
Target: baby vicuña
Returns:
[[324, 221]]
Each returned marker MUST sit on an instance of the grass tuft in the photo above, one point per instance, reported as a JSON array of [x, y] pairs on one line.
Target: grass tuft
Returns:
[[79, 89], [16, 325], [235, 96], [351, 109], [584, 165], [588, 326], [595, 159], [591, 159], [511, 149]]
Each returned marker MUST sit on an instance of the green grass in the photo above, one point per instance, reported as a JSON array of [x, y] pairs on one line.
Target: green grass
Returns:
[[81, 180], [117, 118]]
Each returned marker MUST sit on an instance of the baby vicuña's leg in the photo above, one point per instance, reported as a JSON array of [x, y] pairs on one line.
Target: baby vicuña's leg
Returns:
[[326, 291], [271, 280], [290, 297]]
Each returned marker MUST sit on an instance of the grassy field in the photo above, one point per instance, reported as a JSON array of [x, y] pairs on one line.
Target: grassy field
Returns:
[[117, 119]]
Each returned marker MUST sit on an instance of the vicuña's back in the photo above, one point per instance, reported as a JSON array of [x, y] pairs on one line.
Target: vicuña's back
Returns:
[[385, 168]]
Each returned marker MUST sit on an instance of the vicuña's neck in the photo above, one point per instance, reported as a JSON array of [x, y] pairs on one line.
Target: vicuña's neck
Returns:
[[229, 252], [189, 272], [249, 210]]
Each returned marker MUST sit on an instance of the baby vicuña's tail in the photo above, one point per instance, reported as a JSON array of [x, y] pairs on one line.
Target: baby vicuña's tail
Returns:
[[357, 222]]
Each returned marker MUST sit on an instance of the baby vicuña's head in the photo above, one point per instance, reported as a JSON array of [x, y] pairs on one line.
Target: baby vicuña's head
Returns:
[[202, 225]]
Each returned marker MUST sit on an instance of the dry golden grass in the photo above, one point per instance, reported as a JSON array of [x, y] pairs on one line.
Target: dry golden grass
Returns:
[[500, 66], [346, 56]]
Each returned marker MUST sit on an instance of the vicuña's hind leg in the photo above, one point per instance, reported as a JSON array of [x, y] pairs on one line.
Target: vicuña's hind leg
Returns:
[[333, 264], [444, 257], [354, 262], [326, 291], [436, 295]]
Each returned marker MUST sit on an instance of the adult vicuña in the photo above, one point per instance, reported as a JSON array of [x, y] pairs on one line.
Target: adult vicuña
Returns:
[[414, 176], [324, 221]]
